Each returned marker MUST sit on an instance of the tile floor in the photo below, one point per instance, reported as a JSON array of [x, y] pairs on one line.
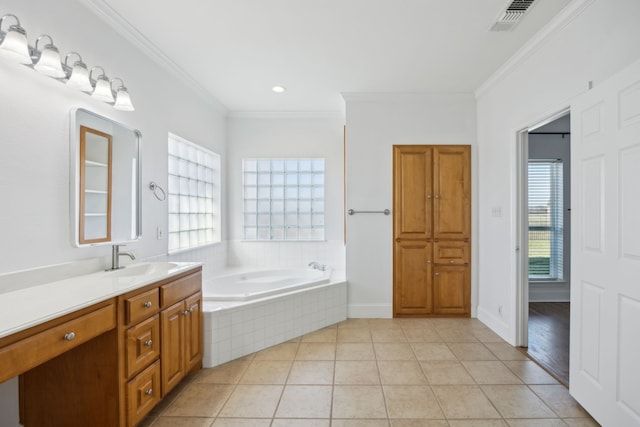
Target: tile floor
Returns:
[[376, 372]]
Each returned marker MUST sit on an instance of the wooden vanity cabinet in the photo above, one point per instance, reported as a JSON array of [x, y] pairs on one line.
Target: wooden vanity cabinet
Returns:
[[125, 356]]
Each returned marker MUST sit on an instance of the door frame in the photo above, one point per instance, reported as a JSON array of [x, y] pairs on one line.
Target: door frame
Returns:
[[522, 227]]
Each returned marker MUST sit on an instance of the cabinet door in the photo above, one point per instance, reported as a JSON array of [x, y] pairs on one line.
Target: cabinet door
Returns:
[[412, 188], [193, 332], [452, 192], [172, 353], [451, 290], [412, 278]]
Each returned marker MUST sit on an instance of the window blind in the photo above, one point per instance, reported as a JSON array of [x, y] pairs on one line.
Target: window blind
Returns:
[[545, 220]]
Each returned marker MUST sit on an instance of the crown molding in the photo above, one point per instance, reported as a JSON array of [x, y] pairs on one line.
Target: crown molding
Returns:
[[561, 20], [116, 21], [401, 96], [286, 115]]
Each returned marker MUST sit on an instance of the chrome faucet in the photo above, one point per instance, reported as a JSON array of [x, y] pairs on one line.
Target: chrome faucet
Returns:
[[115, 257], [317, 266]]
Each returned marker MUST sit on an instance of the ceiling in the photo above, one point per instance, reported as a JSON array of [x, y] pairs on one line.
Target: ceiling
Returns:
[[237, 50]]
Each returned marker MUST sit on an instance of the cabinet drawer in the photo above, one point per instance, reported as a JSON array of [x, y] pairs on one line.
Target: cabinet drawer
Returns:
[[143, 344], [141, 306], [454, 252], [179, 289], [29, 352], [143, 393]]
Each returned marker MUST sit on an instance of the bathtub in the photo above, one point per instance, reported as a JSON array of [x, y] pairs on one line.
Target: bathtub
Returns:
[[253, 285], [249, 310]]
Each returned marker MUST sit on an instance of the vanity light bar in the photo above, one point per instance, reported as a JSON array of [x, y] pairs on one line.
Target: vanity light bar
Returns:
[[45, 58]]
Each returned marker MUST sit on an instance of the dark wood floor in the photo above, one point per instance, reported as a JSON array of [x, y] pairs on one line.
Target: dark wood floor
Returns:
[[549, 337]]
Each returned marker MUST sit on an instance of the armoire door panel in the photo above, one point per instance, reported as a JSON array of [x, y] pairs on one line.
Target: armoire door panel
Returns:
[[452, 192], [451, 252], [412, 192], [412, 277], [451, 290]]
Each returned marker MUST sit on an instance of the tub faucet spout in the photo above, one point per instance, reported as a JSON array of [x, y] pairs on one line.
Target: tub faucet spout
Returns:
[[115, 257], [317, 266]]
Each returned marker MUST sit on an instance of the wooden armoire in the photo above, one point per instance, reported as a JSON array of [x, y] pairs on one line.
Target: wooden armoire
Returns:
[[431, 230]]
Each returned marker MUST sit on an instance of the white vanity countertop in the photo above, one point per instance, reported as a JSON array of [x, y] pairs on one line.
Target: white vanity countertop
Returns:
[[23, 308]]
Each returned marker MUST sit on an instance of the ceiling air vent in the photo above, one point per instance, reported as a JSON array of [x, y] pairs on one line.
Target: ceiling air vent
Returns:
[[512, 15]]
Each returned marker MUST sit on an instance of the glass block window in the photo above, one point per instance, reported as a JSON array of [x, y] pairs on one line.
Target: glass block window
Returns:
[[283, 199], [193, 195]]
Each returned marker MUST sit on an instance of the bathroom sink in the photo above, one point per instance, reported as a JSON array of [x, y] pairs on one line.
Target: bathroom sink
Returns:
[[143, 269]]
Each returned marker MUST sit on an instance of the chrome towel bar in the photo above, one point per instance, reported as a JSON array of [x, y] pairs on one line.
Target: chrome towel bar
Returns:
[[353, 212]]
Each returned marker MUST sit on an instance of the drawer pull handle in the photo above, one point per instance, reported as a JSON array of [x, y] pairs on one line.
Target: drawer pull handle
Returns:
[[149, 392], [428, 261], [188, 311], [148, 343], [148, 304], [450, 261], [69, 336], [437, 274]]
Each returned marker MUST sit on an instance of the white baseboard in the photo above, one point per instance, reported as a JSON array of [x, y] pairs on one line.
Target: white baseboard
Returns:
[[374, 311], [496, 324]]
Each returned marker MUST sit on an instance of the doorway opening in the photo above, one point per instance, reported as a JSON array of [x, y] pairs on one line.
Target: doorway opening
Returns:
[[545, 243]]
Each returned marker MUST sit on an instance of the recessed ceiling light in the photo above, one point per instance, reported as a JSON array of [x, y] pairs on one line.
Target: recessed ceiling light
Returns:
[[278, 89]]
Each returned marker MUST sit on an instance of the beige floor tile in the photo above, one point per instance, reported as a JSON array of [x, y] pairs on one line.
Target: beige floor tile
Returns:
[[311, 372], [446, 372], [517, 401], [359, 423], [432, 351], [362, 401], [305, 401], [411, 402], [413, 323], [228, 373], [242, 422], [355, 351], [316, 351], [300, 423], [581, 422], [419, 423], [388, 335], [252, 401], [477, 423], [547, 422], [284, 351], [490, 372], [354, 323], [422, 335], [464, 401], [354, 335], [529, 372], [376, 323], [394, 351], [323, 335], [199, 400], [266, 372], [505, 351], [361, 372], [401, 372], [471, 351], [487, 335], [557, 398], [183, 422], [456, 335]]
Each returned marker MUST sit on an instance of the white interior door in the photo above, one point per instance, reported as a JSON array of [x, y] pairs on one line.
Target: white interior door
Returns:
[[605, 264]]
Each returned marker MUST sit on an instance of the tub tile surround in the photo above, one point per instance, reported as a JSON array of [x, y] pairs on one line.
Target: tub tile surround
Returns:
[[238, 329], [323, 379]]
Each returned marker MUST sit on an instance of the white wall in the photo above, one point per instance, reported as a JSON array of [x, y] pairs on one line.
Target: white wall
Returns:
[[286, 135], [600, 40], [375, 123], [34, 142]]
